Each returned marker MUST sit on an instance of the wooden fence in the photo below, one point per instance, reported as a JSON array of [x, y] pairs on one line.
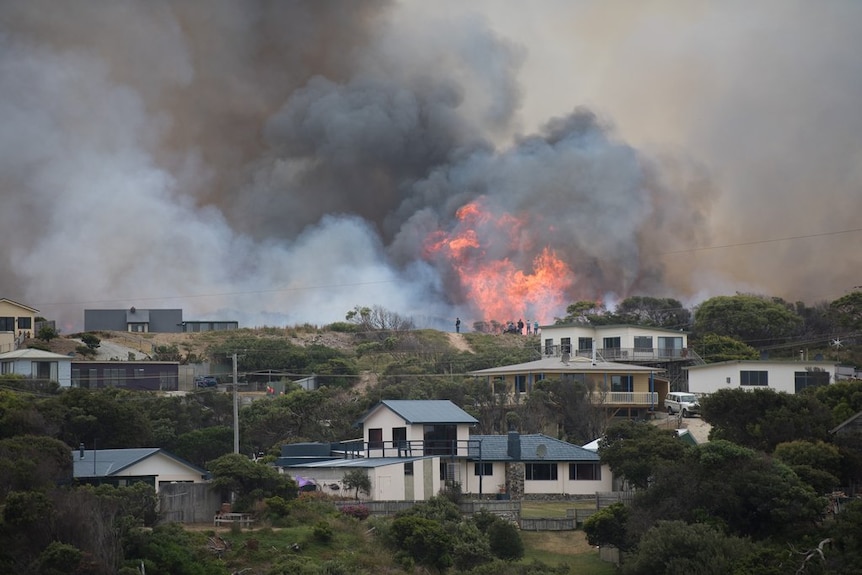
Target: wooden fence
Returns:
[[507, 508], [606, 499]]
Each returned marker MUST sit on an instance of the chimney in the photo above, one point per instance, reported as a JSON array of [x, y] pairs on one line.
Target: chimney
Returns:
[[514, 450]]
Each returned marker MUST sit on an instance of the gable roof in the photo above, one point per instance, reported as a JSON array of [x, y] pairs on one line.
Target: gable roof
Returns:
[[412, 411], [33, 353], [21, 305], [107, 462], [575, 364], [496, 448]]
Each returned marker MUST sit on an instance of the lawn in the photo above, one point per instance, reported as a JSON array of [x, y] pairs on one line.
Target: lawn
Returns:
[[565, 548], [540, 509]]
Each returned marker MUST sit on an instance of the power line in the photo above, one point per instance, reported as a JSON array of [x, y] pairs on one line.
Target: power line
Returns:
[[756, 242]]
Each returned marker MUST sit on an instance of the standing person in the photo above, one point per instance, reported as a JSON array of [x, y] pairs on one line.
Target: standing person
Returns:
[[528, 327], [536, 328], [457, 325], [520, 327]]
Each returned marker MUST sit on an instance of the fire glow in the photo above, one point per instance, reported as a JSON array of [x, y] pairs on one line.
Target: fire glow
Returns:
[[503, 275]]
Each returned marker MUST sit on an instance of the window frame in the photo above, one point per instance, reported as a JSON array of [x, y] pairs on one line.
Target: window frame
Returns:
[[534, 471], [576, 468], [754, 377]]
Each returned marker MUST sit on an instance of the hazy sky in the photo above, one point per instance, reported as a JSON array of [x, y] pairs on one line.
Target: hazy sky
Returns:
[[280, 162]]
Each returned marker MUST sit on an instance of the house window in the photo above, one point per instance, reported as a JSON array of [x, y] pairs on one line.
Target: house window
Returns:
[[540, 471], [440, 439], [585, 344], [643, 343], [25, 323], [7, 324], [585, 471], [399, 438], [803, 379], [7, 367], [622, 383], [115, 377], [747, 377], [448, 471], [565, 345], [670, 346], [44, 370], [520, 384], [485, 468], [549, 346], [408, 468], [612, 348], [375, 438]]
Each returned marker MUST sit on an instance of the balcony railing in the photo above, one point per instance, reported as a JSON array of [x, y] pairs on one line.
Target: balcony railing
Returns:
[[629, 398], [411, 448], [623, 354]]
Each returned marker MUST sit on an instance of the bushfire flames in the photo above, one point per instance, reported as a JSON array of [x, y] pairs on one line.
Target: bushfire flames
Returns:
[[502, 273]]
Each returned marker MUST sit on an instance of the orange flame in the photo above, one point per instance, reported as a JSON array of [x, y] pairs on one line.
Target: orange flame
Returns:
[[494, 285]]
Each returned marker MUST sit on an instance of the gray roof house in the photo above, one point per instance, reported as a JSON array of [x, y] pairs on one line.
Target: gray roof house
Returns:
[[122, 467], [411, 449]]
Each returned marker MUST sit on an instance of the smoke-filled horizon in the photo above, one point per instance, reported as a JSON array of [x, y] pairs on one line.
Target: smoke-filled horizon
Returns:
[[281, 162]]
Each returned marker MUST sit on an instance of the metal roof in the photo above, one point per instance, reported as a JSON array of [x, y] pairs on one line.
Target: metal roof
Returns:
[[107, 462], [496, 448], [440, 411], [576, 364], [33, 353]]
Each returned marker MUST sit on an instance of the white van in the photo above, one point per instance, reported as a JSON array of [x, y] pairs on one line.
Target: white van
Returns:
[[681, 402]]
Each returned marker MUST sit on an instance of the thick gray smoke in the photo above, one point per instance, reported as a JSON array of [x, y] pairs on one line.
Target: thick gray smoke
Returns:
[[279, 162]]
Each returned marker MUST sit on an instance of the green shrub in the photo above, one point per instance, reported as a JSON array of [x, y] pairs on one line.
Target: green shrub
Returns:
[[505, 541], [426, 541], [322, 532]]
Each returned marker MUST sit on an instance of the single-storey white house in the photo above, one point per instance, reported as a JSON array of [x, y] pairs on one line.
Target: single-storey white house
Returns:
[[123, 467], [39, 365], [790, 376], [412, 449]]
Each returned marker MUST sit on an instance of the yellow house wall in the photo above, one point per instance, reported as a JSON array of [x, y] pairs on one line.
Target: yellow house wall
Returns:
[[640, 382]]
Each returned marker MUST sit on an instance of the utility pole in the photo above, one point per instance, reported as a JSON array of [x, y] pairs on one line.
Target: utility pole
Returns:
[[235, 408]]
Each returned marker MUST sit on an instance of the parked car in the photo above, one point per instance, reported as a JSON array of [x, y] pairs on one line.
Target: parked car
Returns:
[[681, 402], [206, 381]]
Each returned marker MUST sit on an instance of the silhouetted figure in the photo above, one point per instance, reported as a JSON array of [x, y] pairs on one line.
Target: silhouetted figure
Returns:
[[457, 325]]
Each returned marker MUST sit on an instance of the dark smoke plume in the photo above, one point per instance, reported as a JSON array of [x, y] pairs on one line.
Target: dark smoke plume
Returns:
[[280, 162]]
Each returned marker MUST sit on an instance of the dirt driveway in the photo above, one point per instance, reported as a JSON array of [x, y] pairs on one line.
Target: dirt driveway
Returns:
[[695, 425]]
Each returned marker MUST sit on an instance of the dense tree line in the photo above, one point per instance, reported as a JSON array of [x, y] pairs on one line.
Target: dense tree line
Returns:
[[755, 499], [741, 325]]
